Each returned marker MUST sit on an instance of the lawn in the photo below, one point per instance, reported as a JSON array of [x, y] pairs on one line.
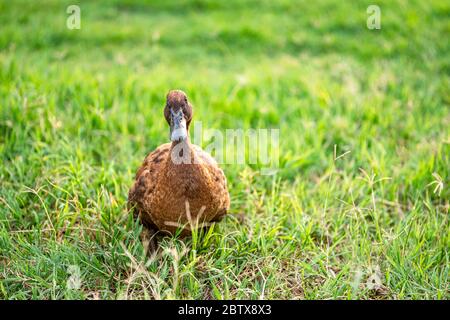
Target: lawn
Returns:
[[359, 205]]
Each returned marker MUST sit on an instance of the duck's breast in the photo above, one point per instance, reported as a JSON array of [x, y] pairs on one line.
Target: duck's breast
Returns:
[[184, 192]]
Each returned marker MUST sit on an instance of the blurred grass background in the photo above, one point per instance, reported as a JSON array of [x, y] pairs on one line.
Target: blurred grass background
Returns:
[[80, 109]]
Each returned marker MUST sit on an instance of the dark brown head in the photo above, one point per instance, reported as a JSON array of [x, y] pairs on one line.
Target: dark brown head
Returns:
[[178, 113]]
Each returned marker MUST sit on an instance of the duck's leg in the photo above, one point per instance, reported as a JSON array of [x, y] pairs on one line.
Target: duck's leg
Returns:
[[148, 233], [149, 241], [148, 236]]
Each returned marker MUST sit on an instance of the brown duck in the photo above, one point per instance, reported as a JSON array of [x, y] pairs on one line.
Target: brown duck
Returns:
[[179, 186]]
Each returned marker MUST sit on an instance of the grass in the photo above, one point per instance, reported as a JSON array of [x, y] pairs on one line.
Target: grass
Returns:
[[358, 209]]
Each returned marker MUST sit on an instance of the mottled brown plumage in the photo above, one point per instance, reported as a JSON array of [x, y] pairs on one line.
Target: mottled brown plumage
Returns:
[[179, 185]]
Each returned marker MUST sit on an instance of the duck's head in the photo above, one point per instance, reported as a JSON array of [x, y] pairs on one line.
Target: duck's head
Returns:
[[178, 113]]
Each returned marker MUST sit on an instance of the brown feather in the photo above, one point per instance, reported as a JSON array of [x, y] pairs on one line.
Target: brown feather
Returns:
[[161, 189], [166, 196]]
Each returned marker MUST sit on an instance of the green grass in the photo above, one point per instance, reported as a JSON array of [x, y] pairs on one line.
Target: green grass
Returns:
[[80, 109]]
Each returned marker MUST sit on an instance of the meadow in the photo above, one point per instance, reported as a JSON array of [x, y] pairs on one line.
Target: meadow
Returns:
[[358, 208]]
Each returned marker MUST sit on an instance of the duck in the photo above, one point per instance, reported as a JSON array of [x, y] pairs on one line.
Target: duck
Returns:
[[179, 187]]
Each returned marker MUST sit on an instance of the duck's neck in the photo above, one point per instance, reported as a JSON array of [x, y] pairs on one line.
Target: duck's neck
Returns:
[[181, 153], [175, 143]]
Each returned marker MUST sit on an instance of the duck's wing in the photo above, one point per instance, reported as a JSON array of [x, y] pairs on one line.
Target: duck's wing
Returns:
[[218, 180], [146, 178]]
